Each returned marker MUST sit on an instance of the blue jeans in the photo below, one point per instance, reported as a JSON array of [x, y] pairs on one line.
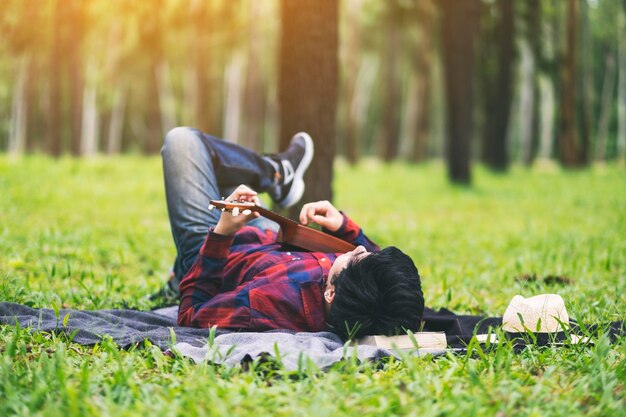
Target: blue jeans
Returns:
[[198, 168]]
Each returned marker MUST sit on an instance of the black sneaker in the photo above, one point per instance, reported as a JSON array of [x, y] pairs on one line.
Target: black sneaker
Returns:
[[292, 164]]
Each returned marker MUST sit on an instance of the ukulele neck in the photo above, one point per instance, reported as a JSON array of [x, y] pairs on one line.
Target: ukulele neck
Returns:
[[281, 220], [292, 232]]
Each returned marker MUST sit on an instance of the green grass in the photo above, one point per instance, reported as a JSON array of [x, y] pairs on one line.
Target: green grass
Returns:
[[94, 234]]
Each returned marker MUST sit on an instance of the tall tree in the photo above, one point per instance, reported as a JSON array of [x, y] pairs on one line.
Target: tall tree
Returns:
[[19, 107], [202, 51], [586, 97], [22, 42], [392, 82], [351, 80], [308, 82], [229, 73], [606, 102], [65, 63], [459, 25], [55, 113], [568, 134], [118, 86], [151, 41], [254, 95], [621, 85], [550, 82], [425, 14], [529, 112], [74, 25], [233, 88], [500, 92]]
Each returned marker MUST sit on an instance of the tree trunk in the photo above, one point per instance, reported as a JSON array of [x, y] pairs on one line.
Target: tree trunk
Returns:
[[272, 116], [353, 71], [392, 99], [495, 152], [423, 57], [116, 124], [19, 109], [114, 116], [151, 42], [253, 125], [586, 99], [36, 123], [55, 113], [202, 46], [529, 135], [232, 98], [73, 23], [526, 102], [568, 137], [621, 89], [364, 87], [154, 130], [606, 106], [458, 29], [167, 101], [308, 82], [547, 111], [89, 126]]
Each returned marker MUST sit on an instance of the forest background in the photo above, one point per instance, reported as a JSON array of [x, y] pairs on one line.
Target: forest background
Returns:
[[498, 81]]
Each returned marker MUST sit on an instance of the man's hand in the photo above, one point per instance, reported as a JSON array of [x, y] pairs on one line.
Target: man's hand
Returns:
[[322, 213], [228, 224]]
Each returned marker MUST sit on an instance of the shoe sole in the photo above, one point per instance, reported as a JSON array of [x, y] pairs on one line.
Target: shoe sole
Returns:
[[297, 189]]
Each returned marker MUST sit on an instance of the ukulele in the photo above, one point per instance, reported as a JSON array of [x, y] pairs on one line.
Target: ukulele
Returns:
[[291, 232]]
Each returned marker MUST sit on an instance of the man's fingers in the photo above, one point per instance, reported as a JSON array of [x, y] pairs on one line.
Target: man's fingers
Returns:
[[244, 193], [321, 220], [303, 211], [307, 212], [315, 211]]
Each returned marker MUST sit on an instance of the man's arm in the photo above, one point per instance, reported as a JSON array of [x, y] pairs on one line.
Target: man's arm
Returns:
[[204, 279], [335, 223]]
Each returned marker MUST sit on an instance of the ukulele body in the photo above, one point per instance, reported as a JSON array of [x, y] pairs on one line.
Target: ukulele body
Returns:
[[313, 240]]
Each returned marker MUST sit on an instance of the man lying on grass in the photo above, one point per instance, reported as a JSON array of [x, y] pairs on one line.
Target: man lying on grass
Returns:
[[231, 272]]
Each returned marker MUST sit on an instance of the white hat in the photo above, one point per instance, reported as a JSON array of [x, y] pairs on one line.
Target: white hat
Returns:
[[539, 314]]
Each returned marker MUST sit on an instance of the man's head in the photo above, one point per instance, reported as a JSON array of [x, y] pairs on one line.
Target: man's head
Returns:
[[374, 293]]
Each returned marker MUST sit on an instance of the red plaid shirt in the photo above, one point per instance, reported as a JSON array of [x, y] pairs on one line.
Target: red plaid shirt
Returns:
[[250, 281]]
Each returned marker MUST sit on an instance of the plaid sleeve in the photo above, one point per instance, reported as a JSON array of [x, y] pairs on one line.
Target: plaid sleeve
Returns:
[[352, 232], [204, 279]]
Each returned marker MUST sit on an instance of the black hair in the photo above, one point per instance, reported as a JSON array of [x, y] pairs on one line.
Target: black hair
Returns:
[[377, 294]]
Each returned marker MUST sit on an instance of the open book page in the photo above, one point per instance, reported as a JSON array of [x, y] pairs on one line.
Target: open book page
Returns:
[[424, 340]]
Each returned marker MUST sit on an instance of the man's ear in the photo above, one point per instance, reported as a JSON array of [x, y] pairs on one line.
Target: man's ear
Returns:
[[329, 295]]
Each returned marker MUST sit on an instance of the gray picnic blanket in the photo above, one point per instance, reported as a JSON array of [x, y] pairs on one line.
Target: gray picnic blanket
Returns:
[[295, 350], [129, 327]]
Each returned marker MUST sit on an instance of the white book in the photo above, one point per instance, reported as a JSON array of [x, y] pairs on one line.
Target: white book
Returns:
[[424, 340]]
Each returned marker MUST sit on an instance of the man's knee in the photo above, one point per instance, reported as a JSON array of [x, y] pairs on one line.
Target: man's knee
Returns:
[[179, 139]]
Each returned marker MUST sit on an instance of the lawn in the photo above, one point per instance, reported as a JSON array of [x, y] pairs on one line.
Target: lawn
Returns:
[[94, 234]]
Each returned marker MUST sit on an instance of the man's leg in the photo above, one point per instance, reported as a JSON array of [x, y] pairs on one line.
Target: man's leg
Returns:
[[198, 168]]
